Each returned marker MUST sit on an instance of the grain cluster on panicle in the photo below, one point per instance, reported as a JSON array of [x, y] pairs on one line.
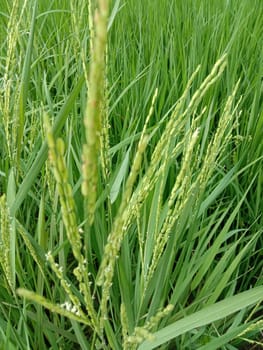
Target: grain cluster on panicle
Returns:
[[95, 110], [5, 240], [56, 151]]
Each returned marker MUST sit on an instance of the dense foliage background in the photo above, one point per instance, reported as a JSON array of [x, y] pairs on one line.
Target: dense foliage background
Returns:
[[214, 249]]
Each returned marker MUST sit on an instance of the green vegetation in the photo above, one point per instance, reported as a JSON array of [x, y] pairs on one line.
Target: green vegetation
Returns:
[[131, 178]]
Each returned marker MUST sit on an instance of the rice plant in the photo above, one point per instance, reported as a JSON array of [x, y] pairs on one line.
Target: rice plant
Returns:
[[131, 181]]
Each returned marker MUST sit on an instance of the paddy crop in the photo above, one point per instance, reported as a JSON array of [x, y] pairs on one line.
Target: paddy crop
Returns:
[[131, 174]]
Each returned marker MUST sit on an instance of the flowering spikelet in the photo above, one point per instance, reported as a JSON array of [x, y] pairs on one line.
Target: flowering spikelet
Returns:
[[27, 238], [142, 333], [93, 114], [78, 9], [5, 231], [66, 309], [56, 156], [178, 191], [105, 126], [66, 285], [115, 238], [221, 138], [56, 152], [124, 324]]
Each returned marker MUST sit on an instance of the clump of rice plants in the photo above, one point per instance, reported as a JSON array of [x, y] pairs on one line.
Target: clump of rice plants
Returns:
[[126, 220]]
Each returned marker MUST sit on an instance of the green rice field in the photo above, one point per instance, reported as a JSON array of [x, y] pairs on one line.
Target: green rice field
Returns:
[[131, 174]]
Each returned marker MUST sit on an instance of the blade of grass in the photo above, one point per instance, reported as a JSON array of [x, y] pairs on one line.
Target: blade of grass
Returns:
[[82, 340], [209, 257], [206, 316], [116, 186], [224, 339]]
